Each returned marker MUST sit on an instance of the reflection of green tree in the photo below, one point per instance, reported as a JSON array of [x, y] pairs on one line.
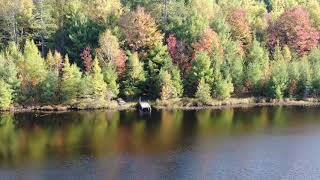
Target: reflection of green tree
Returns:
[[38, 136], [279, 117], [170, 127], [250, 120], [9, 144], [62, 135], [215, 121]]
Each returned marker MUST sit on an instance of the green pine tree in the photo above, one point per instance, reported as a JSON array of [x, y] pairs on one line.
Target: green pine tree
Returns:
[[168, 90], [99, 87], [134, 77], [201, 68], [110, 77], [203, 92], [49, 88], [33, 72], [70, 82], [5, 95], [256, 66]]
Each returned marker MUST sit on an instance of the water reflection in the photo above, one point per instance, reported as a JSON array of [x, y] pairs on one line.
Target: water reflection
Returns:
[[40, 137]]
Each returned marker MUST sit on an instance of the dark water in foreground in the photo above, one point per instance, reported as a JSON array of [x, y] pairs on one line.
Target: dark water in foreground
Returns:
[[254, 143]]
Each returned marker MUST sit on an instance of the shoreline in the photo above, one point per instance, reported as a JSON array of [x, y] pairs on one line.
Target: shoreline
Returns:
[[175, 104], [241, 103]]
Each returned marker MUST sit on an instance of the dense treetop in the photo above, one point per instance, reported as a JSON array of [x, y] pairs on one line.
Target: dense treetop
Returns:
[[64, 51]]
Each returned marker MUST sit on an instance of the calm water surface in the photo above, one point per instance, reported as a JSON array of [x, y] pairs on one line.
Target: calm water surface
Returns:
[[242, 143]]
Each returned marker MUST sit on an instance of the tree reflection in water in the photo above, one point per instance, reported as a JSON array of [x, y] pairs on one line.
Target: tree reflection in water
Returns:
[[39, 137]]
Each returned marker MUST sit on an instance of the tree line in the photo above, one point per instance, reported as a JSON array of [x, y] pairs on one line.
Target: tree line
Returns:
[[55, 51]]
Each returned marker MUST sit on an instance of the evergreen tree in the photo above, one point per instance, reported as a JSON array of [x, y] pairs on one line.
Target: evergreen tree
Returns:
[[201, 68], [110, 78], [233, 65], [50, 60], [294, 75], [191, 27], [175, 77], [314, 59], [81, 32], [305, 81], [278, 55], [279, 78], [33, 72], [256, 66], [5, 95], [9, 72], [203, 92], [134, 77], [158, 59], [13, 52], [43, 23], [287, 55], [222, 88], [49, 87], [70, 82], [168, 91], [34, 67], [99, 87], [16, 21]]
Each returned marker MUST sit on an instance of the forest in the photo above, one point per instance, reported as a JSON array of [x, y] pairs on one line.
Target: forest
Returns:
[[95, 51]]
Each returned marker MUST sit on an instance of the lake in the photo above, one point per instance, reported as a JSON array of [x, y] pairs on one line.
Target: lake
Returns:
[[233, 143]]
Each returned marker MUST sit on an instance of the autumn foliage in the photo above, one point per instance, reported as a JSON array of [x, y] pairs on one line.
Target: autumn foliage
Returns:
[[209, 42], [180, 53], [110, 51], [140, 30], [121, 62], [86, 59], [295, 29], [240, 27]]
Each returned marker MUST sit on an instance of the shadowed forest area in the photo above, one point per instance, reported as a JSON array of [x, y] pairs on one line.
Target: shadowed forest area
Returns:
[[80, 52]]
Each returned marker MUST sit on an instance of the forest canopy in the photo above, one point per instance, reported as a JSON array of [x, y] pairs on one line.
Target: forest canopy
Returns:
[[67, 51]]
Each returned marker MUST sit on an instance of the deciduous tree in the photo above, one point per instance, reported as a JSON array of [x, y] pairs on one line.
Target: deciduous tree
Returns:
[[140, 30], [295, 29], [240, 27], [109, 51], [209, 42]]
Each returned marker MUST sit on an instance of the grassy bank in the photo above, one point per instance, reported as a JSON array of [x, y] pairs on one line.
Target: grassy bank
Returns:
[[190, 103], [173, 104], [81, 105]]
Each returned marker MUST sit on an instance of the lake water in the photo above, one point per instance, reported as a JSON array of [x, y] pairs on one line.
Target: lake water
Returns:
[[240, 143]]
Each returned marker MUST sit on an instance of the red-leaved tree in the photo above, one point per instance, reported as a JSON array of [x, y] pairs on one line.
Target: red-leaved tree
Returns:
[[240, 27], [209, 42], [180, 53], [121, 62], [86, 59], [295, 29]]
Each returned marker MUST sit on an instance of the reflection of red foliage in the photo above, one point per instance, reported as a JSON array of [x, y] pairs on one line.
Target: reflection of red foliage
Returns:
[[295, 29], [121, 62], [209, 42], [180, 53], [87, 59]]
